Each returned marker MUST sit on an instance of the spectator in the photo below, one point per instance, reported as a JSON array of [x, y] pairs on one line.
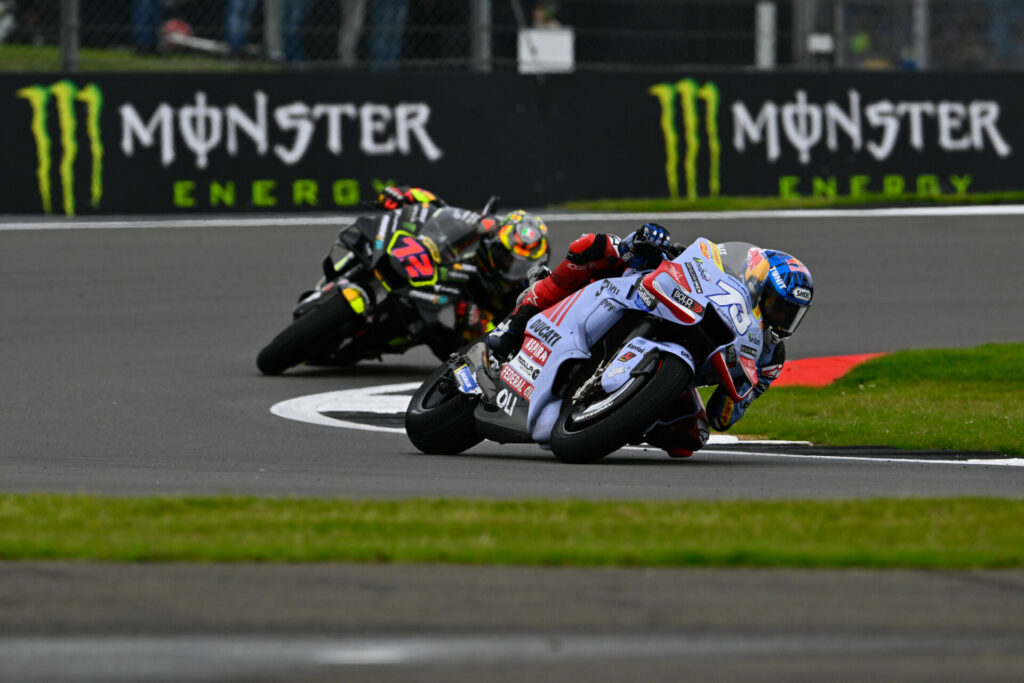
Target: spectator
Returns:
[[387, 25], [352, 15], [237, 21], [282, 28], [147, 16]]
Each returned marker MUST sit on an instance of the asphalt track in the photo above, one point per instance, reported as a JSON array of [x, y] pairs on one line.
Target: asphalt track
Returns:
[[128, 368]]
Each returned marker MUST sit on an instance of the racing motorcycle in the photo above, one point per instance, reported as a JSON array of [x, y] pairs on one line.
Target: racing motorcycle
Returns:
[[607, 365], [387, 281]]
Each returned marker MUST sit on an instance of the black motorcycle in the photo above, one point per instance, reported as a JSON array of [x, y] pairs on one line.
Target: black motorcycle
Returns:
[[389, 283]]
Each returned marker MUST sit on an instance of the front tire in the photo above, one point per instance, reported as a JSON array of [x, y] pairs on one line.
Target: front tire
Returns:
[[318, 332], [588, 441], [439, 419]]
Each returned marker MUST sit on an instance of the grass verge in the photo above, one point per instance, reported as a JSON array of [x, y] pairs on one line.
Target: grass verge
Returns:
[[960, 399], [927, 533], [652, 205], [43, 58]]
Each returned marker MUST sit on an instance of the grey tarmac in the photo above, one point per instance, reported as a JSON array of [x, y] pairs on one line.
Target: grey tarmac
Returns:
[[128, 368], [86, 621]]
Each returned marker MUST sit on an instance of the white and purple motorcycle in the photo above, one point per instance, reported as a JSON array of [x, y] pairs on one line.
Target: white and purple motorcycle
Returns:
[[610, 364]]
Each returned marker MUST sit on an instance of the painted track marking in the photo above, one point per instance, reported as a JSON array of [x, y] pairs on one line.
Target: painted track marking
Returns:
[[240, 221], [392, 399]]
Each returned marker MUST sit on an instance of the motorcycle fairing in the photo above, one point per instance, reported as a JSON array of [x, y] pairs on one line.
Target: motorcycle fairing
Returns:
[[623, 367], [733, 365], [569, 329]]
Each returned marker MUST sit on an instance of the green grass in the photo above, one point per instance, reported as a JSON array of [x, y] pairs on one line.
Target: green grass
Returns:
[[47, 58], [962, 399], [932, 533], [655, 204]]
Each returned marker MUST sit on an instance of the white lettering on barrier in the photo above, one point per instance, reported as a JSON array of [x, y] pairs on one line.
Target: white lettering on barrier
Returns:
[[958, 126], [204, 127]]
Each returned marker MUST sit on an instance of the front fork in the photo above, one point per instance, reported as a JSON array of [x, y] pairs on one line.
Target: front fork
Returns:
[[358, 297]]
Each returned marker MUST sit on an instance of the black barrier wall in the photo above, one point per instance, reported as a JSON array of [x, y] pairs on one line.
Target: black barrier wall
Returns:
[[145, 143]]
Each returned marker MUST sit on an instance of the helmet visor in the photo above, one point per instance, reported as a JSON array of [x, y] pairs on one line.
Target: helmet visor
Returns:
[[512, 268], [782, 315]]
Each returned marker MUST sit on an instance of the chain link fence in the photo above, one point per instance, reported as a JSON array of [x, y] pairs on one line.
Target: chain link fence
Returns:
[[486, 35]]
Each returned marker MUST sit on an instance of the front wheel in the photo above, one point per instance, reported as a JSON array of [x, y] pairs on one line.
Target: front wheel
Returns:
[[318, 332], [439, 419], [587, 432]]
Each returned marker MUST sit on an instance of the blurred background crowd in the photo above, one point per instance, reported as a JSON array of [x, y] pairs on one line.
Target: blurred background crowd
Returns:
[[387, 35]]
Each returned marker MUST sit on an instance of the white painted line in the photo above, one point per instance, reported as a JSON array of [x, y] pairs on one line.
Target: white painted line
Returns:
[[392, 399], [994, 462], [378, 399], [901, 212], [293, 220], [157, 223]]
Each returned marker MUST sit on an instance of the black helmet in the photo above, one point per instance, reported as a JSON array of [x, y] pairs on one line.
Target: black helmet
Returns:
[[518, 244]]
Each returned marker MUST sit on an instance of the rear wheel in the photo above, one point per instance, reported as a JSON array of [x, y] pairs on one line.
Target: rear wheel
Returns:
[[317, 333], [439, 419], [589, 430]]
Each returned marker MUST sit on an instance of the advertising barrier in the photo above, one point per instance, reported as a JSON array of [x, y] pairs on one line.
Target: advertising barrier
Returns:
[[156, 143]]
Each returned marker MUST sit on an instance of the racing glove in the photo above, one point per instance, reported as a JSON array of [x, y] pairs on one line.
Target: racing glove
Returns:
[[644, 247], [391, 198]]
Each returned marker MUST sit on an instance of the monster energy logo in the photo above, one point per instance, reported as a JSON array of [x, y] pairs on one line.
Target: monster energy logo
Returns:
[[689, 95], [65, 94]]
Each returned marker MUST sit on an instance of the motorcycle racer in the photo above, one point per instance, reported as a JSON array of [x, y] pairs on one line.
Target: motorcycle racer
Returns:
[[495, 257], [780, 287], [591, 257]]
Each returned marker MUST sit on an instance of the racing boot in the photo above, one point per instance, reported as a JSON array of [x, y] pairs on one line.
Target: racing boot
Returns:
[[685, 434], [505, 340]]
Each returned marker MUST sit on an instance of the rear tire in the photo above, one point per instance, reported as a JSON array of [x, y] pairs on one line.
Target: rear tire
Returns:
[[575, 444], [318, 332], [439, 421]]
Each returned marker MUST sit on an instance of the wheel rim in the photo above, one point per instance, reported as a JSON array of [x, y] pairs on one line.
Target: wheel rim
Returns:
[[583, 415], [438, 393]]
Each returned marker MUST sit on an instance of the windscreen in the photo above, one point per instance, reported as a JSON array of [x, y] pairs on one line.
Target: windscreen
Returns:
[[743, 260], [454, 231]]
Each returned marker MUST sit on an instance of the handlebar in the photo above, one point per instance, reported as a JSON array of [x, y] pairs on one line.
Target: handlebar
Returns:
[[675, 249]]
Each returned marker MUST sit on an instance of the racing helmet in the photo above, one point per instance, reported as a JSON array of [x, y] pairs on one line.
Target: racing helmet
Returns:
[[787, 292], [518, 244]]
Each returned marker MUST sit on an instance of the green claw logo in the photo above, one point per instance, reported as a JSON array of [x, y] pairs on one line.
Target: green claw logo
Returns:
[[689, 94], [65, 95]]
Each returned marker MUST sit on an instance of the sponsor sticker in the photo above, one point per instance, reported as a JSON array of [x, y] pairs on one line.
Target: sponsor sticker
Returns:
[[701, 269], [748, 351], [526, 367], [802, 293], [612, 372], [506, 400], [717, 257], [646, 298], [685, 301], [536, 351], [516, 382], [797, 267], [545, 332], [693, 278], [627, 356], [466, 379]]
